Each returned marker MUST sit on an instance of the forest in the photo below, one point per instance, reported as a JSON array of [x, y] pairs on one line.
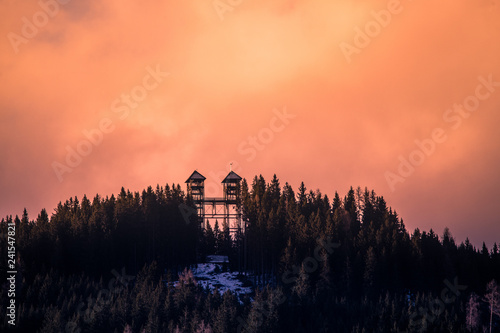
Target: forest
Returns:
[[316, 264]]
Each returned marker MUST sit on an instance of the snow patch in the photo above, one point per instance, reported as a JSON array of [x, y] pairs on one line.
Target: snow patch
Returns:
[[210, 275]]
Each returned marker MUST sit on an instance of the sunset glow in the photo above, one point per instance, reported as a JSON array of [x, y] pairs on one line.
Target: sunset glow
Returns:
[[99, 95]]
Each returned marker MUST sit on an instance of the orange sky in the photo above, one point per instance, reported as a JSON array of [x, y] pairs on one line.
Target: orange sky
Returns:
[[223, 75]]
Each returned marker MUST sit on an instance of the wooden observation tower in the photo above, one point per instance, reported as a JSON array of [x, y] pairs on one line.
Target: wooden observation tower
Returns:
[[223, 209]]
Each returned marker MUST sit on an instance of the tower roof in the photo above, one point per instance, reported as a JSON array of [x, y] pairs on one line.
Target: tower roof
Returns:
[[195, 176], [232, 177]]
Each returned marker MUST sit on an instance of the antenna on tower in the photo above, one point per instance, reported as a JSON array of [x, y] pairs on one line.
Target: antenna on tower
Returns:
[[231, 166]]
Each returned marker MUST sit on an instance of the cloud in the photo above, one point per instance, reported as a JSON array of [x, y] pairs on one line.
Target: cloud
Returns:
[[353, 119]]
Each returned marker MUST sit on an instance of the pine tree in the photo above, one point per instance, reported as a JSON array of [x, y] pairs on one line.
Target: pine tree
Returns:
[[448, 240], [287, 260], [42, 221], [302, 286], [274, 191], [275, 297], [255, 318], [210, 239], [485, 251], [325, 274], [337, 203], [204, 328], [52, 321], [217, 236], [472, 312], [185, 291], [224, 240], [369, 272], [301, 196]]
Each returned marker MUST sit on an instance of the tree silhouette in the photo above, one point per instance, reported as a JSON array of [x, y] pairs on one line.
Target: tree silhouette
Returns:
[[472, 312], [492, 297]]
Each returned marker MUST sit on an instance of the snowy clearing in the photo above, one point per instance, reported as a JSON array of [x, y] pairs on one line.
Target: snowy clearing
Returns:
[[211, 276]]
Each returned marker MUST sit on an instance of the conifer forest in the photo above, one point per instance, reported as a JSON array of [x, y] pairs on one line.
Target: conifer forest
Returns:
[[125, 263]]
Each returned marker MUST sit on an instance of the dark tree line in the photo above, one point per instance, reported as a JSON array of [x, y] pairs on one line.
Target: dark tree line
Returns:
[[376, 278], [107, 233]]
